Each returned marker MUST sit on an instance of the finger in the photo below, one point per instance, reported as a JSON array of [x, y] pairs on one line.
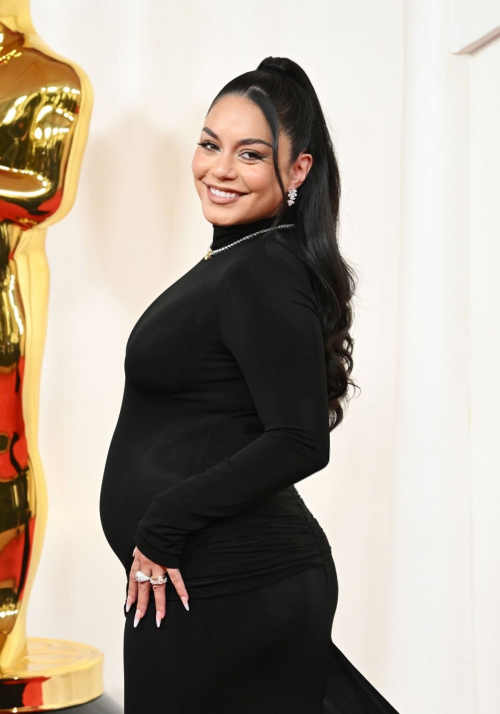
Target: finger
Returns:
[[143, 591], [159, 593], [132, 584], [178, 583]]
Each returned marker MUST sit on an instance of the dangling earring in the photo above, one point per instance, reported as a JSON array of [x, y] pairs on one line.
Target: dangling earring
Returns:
[[292, 193]]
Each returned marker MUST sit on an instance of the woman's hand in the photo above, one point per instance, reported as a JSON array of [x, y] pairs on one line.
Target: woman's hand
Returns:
[[141, 591]]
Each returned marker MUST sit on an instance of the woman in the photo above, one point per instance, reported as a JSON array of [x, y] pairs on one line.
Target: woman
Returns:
[[235, 377]]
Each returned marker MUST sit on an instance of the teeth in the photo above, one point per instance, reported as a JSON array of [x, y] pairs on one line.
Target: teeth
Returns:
[[223, 194]]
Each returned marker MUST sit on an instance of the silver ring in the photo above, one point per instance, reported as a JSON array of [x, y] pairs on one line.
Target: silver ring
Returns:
[[141, 577], [160, 580]]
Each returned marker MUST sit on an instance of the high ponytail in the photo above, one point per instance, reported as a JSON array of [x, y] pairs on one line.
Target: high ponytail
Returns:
[[286, 97]]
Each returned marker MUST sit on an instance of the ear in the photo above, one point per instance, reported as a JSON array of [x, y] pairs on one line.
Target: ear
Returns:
[[300, 169]]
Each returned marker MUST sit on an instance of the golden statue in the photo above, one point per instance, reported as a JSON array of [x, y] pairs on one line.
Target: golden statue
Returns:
[[45, 108]]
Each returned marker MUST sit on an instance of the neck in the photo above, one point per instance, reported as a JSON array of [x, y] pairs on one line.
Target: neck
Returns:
[[16, 15], [223, 235]]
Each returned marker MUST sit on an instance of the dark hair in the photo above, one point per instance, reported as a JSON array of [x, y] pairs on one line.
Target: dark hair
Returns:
[[286, 97]]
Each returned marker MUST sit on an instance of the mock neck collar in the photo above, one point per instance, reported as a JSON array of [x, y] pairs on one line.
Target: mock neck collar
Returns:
[[223, 235]]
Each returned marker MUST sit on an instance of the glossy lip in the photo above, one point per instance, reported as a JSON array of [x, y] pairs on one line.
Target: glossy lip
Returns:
[[220, 199]]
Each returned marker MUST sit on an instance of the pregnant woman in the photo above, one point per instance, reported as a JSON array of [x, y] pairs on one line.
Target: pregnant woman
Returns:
[[234, 378]]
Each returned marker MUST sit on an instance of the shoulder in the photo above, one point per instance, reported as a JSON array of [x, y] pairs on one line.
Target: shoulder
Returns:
[[268, 256], [269, 269]]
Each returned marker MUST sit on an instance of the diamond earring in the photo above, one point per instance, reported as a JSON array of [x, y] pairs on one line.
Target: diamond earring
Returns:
[[292, 193]]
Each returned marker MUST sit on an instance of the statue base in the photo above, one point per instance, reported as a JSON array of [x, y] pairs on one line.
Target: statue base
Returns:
[[56, 675]]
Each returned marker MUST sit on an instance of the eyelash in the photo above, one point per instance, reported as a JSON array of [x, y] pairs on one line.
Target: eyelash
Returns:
[[255, 154]]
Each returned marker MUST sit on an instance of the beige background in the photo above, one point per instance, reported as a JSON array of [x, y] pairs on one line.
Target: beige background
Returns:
[[409, 500]]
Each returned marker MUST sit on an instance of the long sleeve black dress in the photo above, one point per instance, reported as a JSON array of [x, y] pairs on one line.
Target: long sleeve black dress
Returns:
[[224, 410]]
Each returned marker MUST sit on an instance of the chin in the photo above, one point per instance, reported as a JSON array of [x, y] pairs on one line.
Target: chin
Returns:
[[222, 214]]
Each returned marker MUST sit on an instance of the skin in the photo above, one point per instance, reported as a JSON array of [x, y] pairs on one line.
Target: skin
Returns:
[[247, 168]]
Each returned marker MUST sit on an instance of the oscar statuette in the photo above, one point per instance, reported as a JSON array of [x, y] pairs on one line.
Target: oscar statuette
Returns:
[[45, 107]]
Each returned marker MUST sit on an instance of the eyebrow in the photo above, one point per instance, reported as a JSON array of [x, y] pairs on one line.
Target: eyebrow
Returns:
[[240, 141]]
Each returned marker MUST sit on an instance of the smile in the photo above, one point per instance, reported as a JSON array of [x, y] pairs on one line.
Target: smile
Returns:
[[218, 196]]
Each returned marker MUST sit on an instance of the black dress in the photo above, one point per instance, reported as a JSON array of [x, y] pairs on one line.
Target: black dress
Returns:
[[224, 410]]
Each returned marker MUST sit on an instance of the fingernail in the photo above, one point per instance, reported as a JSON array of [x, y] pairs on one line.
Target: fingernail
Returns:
[[137, 617], [185, 602], [158, 618], [128, 604]]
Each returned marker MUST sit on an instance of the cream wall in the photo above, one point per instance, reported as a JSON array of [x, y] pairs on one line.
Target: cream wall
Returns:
[[137, 226], [484, 342]]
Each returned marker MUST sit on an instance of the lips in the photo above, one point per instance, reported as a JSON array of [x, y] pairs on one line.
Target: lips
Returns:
[[223, 199], [227, 190]]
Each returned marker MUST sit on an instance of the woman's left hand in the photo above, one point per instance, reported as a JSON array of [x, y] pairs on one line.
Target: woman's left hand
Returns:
[[141, 591]]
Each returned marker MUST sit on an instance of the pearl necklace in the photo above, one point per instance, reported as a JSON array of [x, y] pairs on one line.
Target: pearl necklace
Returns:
[[264, 230]]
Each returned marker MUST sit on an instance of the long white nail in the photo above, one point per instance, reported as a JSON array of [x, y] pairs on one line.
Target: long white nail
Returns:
[[137, 617], [185, 602], [128, 604], [158, 618]]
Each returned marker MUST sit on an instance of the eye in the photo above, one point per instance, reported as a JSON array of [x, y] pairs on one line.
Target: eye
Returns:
[[205, 144], [252, 155], [255, 155]]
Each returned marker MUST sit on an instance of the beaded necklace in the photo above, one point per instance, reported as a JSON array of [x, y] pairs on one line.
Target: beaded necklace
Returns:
[[264, 230]]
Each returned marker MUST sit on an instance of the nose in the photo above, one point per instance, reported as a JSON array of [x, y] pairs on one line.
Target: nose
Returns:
[[223, 167]]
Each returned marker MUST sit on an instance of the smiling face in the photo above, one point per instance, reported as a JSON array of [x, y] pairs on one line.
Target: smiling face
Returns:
[[233, 164]]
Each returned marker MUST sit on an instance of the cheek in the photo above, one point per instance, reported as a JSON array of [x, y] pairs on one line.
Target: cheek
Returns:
[[199, 165], [259, 179]]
